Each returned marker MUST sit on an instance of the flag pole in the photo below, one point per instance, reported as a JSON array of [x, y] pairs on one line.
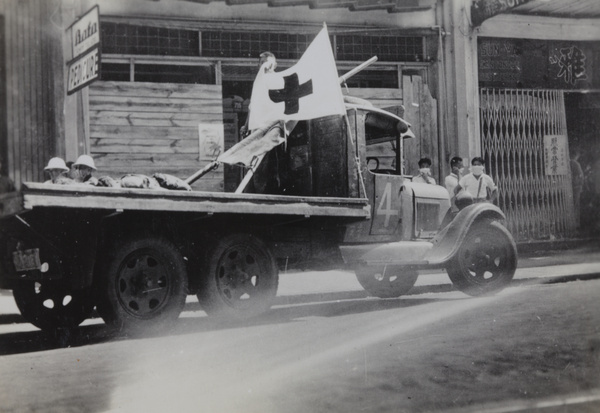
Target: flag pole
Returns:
[[249, 174], [193, 178], [356, 157]]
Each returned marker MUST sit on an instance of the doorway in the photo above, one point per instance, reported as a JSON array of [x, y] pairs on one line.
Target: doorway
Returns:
[[583, 123]]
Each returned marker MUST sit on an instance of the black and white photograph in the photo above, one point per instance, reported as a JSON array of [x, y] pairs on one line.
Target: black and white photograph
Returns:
[[300, 206]]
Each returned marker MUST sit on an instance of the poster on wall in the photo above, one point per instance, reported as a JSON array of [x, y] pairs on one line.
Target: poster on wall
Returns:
[[556, 160], [211, 138]]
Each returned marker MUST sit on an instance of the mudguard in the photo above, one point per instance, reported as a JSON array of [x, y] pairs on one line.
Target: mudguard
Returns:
[[68, 241], [449, 239]]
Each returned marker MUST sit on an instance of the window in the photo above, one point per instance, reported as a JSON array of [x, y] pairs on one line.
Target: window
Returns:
[[211, 45], [142, 40], [174, 74]]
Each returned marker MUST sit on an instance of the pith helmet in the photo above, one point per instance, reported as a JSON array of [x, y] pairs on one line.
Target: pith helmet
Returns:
[[86, 160], [56, 163]]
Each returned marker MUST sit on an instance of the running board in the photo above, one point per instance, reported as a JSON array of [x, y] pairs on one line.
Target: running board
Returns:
[[402, 253]]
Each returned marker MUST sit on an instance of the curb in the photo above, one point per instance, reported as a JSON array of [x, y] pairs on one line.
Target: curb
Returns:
[[529, 247]]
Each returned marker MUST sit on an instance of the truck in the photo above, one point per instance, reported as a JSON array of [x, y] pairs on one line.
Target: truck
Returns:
[[334, 196]]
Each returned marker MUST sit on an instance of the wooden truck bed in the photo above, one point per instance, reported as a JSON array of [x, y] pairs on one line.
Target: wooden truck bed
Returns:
[[36, 195]]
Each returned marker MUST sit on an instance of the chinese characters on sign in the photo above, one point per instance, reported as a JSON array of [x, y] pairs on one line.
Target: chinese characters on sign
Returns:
[[556, 161], [532, 64], [484, 9], [571, 64]]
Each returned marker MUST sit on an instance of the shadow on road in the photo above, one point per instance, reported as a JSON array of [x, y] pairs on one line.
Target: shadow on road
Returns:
[[286, 309], [33, 341]]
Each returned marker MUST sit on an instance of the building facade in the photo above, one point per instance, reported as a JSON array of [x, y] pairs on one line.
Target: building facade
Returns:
[[176, 75]]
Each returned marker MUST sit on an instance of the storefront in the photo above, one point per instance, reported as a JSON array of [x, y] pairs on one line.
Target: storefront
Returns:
[[539, 96], [176, 75], [169, 81]]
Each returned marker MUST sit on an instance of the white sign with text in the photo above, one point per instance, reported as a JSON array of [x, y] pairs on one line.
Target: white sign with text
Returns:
[[85, 32]]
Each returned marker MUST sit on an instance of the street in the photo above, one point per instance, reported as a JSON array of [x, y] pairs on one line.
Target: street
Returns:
[[327, 347]]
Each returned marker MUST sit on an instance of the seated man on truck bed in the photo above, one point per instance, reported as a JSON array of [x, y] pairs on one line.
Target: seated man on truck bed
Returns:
[[84, 168]]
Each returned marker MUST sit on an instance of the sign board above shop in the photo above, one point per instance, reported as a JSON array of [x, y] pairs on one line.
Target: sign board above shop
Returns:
[[484, 9], [84, 67], [83, 70], [85, 32], [538, 64]]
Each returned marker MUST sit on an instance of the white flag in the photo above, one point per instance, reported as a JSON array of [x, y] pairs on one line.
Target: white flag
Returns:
[[310, 89]]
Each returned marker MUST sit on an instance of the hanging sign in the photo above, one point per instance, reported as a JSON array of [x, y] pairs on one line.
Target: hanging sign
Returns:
[[84, 68], [556, 161], [85, 32]]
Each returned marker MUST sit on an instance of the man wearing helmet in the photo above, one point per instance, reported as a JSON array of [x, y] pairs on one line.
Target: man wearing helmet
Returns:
[[83, 168], [57, 169]]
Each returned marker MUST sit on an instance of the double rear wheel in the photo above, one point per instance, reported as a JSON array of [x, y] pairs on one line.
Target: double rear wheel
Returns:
[[143, 284], [240, 279]]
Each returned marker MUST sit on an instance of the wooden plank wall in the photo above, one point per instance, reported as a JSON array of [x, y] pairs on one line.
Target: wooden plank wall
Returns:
[[145, 128], [32, 71], [380, 98], [421, 112]]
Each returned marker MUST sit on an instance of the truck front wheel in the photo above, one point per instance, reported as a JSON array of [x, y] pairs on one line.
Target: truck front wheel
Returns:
[[144, 284], [386, 282], [486, 260], [241, 279]]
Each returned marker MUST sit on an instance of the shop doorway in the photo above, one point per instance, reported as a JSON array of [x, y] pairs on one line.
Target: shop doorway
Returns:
[[525, 146], [583, 124]]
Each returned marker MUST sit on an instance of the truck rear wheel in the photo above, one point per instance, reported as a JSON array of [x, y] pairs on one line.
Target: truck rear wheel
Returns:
[[144, 284], [386, 282], [241, 279], [51, 305], [486, 260]]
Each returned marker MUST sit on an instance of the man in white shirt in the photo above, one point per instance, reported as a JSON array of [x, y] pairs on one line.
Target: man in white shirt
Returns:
[[479, 185], [451, 181], [424, 176]]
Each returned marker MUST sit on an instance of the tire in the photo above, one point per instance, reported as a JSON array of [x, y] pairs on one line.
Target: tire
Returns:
[[51, 305], [241, 278], [387, 282], [486, 261], [143, 285], [48, 302]]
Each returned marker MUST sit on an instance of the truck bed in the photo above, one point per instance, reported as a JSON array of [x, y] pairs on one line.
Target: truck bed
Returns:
[[37, 195]]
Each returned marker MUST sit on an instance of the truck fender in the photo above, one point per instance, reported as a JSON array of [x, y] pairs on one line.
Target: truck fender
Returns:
[[449, 239]]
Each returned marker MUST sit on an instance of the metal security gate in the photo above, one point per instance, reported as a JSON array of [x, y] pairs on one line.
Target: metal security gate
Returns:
[[518, 129]]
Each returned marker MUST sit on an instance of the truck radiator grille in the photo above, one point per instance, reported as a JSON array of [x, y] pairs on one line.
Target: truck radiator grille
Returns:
[[427, 220]]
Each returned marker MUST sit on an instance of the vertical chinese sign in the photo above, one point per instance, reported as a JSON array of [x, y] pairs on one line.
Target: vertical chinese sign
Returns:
[[556, 159], [84, 68]]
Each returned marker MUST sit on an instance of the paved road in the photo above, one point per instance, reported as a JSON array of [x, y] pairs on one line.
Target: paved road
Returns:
[[326, 347]]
